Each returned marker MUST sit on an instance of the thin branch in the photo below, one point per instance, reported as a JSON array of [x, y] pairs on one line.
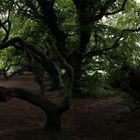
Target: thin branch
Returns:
[[103, 9], [115, 44], [40, 56], [31, 11], [119, 10], [7, 30], [24, 45], [100, 52], [131, 30]]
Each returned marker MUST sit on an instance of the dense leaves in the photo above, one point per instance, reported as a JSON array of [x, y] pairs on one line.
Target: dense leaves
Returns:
[[91, 35]]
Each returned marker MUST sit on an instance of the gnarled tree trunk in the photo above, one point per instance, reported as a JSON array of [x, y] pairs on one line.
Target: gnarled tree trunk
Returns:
[[53, 111]]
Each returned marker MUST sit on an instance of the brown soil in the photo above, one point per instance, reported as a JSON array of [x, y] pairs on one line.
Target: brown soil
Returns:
[[88, 119]]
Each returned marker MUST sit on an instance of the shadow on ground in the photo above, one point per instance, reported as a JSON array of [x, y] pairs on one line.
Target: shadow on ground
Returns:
[[88, 119]]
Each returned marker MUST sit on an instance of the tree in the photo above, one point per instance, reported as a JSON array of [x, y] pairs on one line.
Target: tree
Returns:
[[60, 35]]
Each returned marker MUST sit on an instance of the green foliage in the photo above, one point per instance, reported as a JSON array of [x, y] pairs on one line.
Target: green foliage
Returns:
[[100, 89], [101, 93], [105, 33], [118, 77], [11, 60], [29, 22]]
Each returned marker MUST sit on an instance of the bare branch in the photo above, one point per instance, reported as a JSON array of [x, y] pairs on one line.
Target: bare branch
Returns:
[[100, 52], [40, 56], [63, 63], [115, 44], [103, 9], [50, 18], [6, 29], [119, 10], [131, 30]]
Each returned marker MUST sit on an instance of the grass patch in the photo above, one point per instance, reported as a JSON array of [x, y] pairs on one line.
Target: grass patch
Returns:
[[101, 92]]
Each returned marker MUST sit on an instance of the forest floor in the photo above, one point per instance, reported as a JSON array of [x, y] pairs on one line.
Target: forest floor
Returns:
[[88, 118]]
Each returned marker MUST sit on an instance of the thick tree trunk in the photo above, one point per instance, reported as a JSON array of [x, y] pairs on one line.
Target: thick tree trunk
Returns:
[[77, 70], [53, 123], [77, 59]]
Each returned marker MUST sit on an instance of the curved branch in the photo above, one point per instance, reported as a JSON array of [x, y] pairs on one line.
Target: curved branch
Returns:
[[52, 110], [25, 46], [106, 6], [10, 42], [103, 9], [114, 45], [100, 52], [64, 64], [39, 100], [39, 56], [50, 18], [7, 30], [119, 10]]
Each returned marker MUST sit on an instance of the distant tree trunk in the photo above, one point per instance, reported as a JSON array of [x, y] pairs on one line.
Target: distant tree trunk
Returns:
[[78, 57], [39, 74], [75, 62], [85, 21]]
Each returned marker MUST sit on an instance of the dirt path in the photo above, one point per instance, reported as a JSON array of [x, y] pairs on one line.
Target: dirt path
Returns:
[[88, 119]]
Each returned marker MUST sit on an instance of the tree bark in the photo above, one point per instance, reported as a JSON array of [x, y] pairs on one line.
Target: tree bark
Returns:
[[53, 123], [53, 111], [78, 57]]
